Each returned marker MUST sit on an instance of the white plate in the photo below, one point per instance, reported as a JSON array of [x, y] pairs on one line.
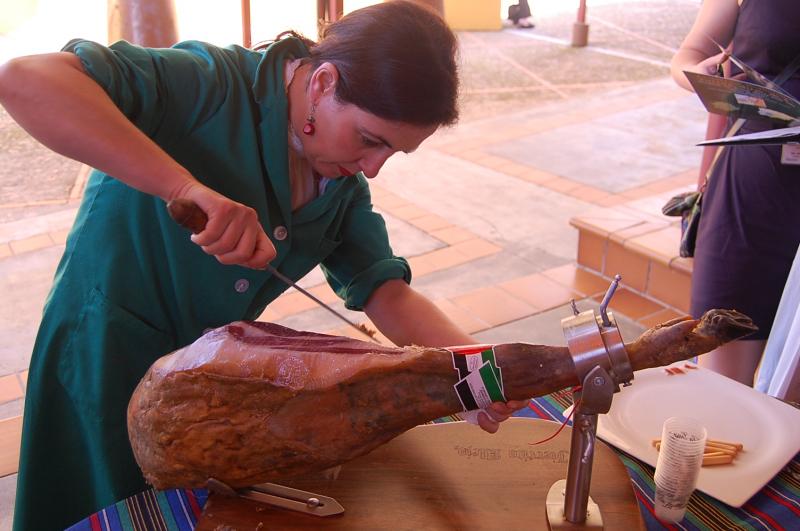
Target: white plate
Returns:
[[768, 428]]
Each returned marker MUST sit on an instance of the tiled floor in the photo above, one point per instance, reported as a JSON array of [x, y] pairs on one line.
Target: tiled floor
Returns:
[[12, 387]]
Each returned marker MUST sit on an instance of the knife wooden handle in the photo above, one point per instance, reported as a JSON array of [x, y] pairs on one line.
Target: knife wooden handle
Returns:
[[187, 214]]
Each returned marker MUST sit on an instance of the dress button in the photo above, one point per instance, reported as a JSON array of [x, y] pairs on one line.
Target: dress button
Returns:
[[280, 233], [241, 285]]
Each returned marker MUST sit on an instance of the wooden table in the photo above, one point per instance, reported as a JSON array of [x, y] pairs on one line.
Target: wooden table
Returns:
[[446, 476], [775, 506]]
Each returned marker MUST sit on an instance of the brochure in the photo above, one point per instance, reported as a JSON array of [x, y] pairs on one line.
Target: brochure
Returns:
[[788, 135], [742, 99]]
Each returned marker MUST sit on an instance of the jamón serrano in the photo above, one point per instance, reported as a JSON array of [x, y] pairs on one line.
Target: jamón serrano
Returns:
[[252, 402]]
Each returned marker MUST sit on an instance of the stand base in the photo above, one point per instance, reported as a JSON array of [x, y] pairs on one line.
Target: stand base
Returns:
[[555, 510], [580, 34]]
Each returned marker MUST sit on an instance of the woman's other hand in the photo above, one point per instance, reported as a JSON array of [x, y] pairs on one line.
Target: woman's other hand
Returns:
[[233, 234], [712, 65], [709, 66], [408, 318], [699, 51], [490, 418]]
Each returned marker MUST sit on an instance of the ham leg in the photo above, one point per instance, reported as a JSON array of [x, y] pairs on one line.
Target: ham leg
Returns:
[[252, 402]]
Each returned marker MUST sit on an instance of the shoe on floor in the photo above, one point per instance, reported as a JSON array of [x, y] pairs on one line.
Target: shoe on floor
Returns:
[[524, 23]]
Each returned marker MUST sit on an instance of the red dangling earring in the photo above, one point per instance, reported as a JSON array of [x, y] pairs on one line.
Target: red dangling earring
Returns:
[[308, 128]]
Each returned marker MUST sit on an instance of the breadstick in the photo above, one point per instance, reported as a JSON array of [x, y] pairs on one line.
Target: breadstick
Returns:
[[738, 446], [708, 453], [722, 449], [722, 445], [717, 460], [714, 453]]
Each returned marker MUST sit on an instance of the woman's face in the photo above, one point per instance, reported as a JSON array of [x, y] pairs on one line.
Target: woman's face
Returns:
[[348, 139]]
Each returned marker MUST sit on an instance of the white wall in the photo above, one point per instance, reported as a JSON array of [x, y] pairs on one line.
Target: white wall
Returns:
[[53, 24]]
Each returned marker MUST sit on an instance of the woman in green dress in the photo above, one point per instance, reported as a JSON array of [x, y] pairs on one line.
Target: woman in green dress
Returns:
[[275, 146]]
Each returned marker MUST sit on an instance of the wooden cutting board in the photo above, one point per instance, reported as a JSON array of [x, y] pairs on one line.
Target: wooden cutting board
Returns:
[[445, 476]]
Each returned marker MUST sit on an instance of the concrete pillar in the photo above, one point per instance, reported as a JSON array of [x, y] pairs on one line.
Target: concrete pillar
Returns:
[[328, 11], [247, 39], [150, 23], [580, 29], [580, 34]]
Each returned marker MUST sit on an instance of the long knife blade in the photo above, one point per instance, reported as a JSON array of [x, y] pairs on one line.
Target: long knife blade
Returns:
[[190, 216], [308, 294]]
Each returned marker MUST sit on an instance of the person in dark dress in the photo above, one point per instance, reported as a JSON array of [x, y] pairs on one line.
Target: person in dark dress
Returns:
[[750, 226]]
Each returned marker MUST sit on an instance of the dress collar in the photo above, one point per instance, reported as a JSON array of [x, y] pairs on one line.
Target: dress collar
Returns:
[[269, 92]]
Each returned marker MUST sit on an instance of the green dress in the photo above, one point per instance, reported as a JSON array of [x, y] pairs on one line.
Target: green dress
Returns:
[[132, 287]]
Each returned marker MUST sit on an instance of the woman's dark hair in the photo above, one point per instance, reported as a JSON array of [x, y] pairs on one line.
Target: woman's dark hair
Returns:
[[396, 60]]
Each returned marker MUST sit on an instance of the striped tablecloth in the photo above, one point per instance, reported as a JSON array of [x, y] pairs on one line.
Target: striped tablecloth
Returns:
[[775, 507]]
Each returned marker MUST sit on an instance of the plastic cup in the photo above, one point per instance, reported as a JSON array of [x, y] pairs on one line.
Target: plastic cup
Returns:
[[683, 440]]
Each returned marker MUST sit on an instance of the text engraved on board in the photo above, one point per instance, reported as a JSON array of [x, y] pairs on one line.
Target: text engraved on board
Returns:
[[515, 453], [479, 452], [528, 454]]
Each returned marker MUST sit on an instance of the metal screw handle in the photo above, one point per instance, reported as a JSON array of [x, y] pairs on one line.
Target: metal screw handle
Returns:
[[607, 299]]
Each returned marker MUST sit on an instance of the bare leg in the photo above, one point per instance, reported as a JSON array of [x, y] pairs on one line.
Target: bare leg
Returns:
[[737, 360]]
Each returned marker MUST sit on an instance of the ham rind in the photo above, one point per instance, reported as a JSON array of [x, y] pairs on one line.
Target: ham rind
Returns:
[[252, 402]]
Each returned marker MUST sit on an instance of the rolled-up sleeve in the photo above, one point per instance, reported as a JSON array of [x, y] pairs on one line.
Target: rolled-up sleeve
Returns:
[[163, 91], [364, 260]]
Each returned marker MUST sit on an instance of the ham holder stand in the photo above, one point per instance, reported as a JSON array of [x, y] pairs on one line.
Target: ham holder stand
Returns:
[[437, 476], [602, 365]]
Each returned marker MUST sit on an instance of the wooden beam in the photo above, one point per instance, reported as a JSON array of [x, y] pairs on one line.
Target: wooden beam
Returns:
[[246, 32], [149, 23]]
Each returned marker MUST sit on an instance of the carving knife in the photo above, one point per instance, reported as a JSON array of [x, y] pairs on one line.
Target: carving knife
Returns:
[[190, 216]]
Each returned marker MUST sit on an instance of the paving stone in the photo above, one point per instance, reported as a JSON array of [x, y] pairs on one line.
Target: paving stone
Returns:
[[620, 152], [24, 161], [24, 282], [8, 486], [545, 328]]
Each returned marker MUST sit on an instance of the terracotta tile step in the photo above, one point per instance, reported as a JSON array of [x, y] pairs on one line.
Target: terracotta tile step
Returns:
[[10, 434], [10, 388], [491, 306], [638, 242]]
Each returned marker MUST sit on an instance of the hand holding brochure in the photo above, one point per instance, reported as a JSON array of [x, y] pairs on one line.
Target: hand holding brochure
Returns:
[[757, 99]]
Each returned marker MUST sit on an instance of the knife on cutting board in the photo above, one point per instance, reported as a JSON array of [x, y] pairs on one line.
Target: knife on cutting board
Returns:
[[187, 214]]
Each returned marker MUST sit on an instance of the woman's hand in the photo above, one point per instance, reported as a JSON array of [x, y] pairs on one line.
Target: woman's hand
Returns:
[[699, 52], [687, 62], [710, 66], [408, 318], [233, 234], [490, 418]]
